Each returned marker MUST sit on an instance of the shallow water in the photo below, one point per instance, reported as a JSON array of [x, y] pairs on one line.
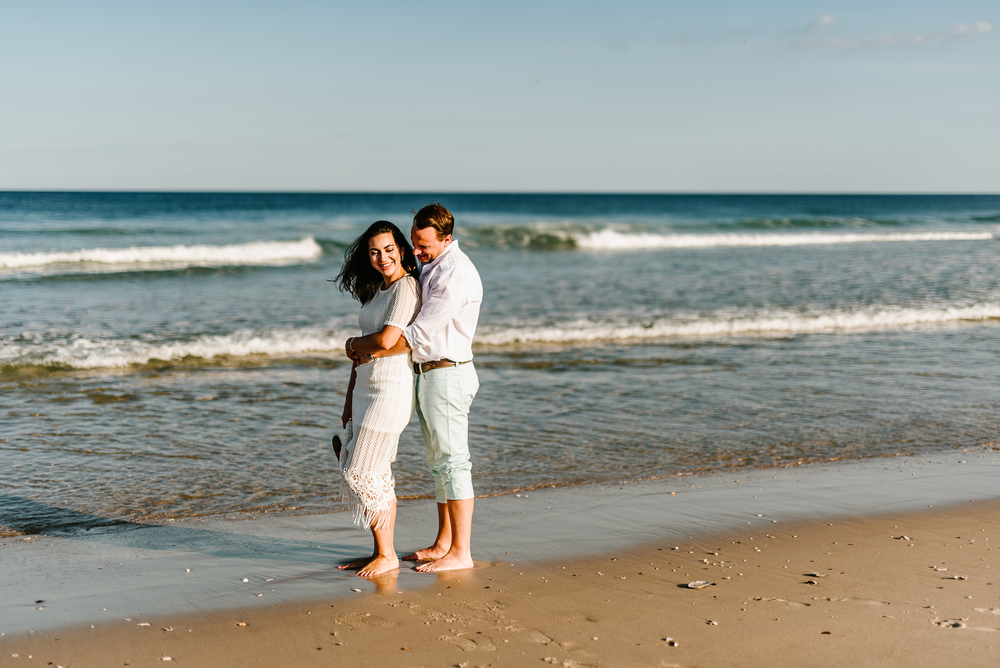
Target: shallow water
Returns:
[[622, 337]]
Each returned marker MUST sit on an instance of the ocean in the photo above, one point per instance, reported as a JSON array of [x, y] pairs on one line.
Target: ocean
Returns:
[[176, 355]]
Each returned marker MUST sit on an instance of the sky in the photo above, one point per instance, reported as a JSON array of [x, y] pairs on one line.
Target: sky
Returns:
[[541, 96]]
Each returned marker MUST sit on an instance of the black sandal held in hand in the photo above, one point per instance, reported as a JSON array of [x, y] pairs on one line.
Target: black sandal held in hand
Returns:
[[337, 445]]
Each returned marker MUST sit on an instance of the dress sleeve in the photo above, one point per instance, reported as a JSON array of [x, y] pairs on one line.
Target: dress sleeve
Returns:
[[405, 303]]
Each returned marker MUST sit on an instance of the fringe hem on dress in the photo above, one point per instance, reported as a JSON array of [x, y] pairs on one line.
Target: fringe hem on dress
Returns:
[[363, 515]]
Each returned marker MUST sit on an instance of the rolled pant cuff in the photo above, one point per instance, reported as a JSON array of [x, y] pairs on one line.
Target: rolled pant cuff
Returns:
[[454, 490]]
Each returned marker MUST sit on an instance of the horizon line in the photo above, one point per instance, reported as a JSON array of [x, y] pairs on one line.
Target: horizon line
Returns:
[[766, 193]]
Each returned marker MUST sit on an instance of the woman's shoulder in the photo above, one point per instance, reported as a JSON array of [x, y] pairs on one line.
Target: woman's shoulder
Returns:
[[409, 282]]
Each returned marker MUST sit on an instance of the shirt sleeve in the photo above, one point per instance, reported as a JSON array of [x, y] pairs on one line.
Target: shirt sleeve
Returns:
[[404, 305], [446, 298]]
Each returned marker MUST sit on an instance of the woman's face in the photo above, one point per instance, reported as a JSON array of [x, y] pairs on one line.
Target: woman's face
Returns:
[[385, 256]]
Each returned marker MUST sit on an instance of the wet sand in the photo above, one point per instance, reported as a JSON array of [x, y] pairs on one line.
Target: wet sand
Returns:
[[844, 586]]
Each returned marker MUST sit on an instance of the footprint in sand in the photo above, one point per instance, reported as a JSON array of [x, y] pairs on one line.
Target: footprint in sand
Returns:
[[363, 619], [470, 642], [960, 624], [480, 605], [435, 615], [537, 636], [794, 604], [841, 599]]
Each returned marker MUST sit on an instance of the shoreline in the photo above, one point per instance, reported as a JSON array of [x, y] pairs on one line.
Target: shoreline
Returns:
[[112, 572], [911, 588]]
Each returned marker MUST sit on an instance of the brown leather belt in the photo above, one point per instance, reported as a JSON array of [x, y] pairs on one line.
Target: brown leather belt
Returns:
[[424, 367]]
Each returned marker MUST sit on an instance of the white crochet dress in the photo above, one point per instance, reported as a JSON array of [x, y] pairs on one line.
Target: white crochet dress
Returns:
[[383, 404]]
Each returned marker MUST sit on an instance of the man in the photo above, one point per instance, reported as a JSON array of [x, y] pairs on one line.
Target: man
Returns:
[[446, 381]]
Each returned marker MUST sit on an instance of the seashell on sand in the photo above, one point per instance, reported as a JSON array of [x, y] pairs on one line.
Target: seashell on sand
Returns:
[[698, 584]]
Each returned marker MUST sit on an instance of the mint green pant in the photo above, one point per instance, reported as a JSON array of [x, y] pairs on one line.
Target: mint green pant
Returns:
[[444, 397]]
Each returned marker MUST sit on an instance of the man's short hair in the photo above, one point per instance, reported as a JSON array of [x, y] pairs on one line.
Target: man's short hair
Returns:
[[436, 216]]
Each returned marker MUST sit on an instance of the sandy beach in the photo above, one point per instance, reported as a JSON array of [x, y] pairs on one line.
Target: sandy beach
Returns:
[[914, 589], [892, 585]]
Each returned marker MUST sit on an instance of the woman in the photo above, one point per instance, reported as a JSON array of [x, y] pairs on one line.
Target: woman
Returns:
[[378, 272]]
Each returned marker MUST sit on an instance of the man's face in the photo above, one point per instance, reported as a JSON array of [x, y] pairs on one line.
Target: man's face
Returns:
[[426, 245]]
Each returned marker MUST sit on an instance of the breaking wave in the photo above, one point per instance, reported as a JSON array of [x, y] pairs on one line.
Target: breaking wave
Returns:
[[714, 325], [254, 253], [94, 353], [554, 236], [613, 240]]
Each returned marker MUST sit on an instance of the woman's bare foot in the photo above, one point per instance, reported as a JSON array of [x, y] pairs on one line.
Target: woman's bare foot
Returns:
[[449, 562], [356, 564], [378, 565], [427, 554]]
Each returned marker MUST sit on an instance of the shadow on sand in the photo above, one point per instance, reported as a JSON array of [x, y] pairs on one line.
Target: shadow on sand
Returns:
[[30, 517]]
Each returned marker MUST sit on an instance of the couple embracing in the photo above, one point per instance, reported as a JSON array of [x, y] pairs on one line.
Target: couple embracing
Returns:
[[415, 352]]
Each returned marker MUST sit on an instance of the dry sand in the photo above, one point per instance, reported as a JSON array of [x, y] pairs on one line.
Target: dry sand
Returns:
[[905, 589]]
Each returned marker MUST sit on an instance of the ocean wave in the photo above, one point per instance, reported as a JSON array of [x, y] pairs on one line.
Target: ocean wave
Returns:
[[823, 222], [614, 240], [95, 353], [253, 253], [720, 325], [573, 236]]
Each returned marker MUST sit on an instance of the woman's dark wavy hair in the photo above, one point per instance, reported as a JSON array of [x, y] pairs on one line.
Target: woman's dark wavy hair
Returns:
[[358, 277]]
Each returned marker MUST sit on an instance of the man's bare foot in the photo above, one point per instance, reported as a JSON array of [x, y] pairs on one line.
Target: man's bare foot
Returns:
[[449, 562], [379, 565], [427, 554], [357, 563]]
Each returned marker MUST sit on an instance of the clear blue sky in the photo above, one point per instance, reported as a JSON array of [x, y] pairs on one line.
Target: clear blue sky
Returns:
[[772, 96]]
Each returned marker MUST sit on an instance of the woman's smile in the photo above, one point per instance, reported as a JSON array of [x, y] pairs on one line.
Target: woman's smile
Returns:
[[385, 257]]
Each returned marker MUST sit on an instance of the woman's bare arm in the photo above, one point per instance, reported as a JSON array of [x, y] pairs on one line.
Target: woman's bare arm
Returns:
[[347, 414], [389, 341]]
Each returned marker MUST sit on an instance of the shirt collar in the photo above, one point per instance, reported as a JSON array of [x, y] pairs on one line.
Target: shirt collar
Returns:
[[453, 244]]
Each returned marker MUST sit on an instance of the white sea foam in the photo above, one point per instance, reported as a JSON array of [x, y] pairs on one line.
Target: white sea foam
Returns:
[[614, 240], [254, 253], [93, 353], [716, 325]]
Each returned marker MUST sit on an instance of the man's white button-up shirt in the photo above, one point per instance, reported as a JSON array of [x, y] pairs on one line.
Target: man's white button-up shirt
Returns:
[[451, 294]]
